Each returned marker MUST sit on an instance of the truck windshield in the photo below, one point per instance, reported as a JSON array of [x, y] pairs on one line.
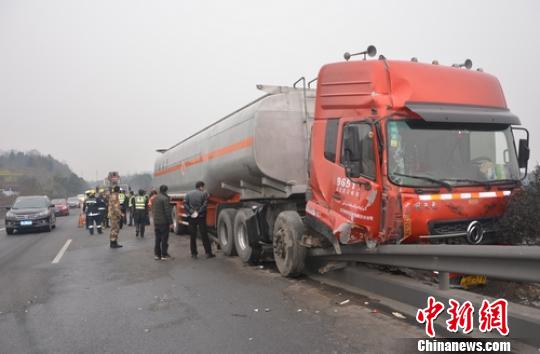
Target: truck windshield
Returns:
[[422, 154]]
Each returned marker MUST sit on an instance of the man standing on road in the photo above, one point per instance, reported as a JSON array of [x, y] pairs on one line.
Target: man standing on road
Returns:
[[140, 205], [195, 204], [123, 203], [131, 207], [105, 196], [102, 209], [115, 216], [161, 210], [90, 208]]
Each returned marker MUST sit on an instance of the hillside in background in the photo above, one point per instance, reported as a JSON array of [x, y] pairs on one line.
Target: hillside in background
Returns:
[[33, 173]]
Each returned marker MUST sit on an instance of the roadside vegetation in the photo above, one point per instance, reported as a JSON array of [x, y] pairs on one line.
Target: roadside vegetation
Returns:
[[521, 221]]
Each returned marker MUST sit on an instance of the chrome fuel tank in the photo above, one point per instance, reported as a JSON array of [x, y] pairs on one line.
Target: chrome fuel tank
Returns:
[[258, 151]]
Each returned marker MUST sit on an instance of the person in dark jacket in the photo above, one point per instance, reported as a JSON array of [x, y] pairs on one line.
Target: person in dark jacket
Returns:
[[102, 207], [161, 210], [90, 208], [195, 204]]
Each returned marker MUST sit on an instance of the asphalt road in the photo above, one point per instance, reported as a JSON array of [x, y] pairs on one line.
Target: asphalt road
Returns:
[[98, 300]]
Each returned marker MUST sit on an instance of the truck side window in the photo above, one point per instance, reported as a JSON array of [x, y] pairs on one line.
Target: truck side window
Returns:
[[330, 139], [357, 149]]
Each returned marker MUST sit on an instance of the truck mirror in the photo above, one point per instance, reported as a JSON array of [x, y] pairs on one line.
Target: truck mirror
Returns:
[[506, 156], [8, 208], [523, 154]]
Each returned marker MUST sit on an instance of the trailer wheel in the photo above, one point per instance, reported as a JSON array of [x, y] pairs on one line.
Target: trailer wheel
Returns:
[[176, 224], [289, 255], [246, 253], [225, 232]]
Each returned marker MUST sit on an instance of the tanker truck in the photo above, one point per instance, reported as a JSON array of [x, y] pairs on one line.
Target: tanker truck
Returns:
[[381, 152]]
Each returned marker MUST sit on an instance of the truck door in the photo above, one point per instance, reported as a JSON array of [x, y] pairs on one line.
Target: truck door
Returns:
[[356, 198]]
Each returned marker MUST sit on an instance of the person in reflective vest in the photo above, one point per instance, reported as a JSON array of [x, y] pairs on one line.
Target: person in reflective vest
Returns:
[[105, 196], [91, 208], [131, 208], [140, 205], [123, 202], [102, 209]]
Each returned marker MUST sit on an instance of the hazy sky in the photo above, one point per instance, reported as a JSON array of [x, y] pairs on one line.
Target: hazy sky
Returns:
[[102, 84]]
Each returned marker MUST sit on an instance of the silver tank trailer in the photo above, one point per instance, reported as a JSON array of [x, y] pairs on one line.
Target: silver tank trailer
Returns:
[[258, 151]]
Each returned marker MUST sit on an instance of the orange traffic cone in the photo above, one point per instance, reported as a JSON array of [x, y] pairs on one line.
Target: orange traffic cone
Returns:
[[81, 220]]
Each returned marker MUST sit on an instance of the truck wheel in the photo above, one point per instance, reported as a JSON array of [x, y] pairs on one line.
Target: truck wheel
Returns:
[[246, 253], [289, 255], [9, 231], [225, 232]]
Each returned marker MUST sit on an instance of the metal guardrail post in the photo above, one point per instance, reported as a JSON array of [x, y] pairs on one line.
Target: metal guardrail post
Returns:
[[444, 281]]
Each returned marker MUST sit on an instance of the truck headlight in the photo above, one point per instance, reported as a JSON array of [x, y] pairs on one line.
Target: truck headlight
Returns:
[[43, 214], [10, 215]]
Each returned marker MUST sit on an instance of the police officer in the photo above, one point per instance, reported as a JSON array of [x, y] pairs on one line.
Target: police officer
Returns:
[[105, 196], [90, 207], [115, 216], [123, 202], [140, 206], [131, 203]]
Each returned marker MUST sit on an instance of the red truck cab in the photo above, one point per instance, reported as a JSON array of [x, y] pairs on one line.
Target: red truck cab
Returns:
[[405, 152]]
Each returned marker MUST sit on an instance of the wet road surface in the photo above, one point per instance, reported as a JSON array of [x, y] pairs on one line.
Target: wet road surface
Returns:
[[95, 299]]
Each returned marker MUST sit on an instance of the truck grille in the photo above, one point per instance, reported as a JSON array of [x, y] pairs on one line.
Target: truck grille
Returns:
[[27, 217], [452, 227]]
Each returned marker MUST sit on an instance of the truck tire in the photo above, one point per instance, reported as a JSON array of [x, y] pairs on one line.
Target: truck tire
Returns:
[[225, 232], [9, 231], [246, 253], [289, 255]]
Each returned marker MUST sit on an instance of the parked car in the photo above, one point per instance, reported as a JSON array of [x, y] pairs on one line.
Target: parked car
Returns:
[[73, 202], [60, 207], [30, 213]]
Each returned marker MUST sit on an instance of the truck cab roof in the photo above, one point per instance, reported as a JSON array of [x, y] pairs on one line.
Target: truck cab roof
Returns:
[[392, 85]]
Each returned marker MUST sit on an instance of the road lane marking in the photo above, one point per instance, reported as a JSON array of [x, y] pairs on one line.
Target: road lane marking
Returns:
[[2, 229], [61, 252]]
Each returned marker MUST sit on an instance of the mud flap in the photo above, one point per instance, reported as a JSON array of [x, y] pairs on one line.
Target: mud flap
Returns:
[[324, 230], [253, 230]]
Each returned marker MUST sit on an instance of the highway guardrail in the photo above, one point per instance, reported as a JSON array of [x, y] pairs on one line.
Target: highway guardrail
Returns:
[[518, 263]]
